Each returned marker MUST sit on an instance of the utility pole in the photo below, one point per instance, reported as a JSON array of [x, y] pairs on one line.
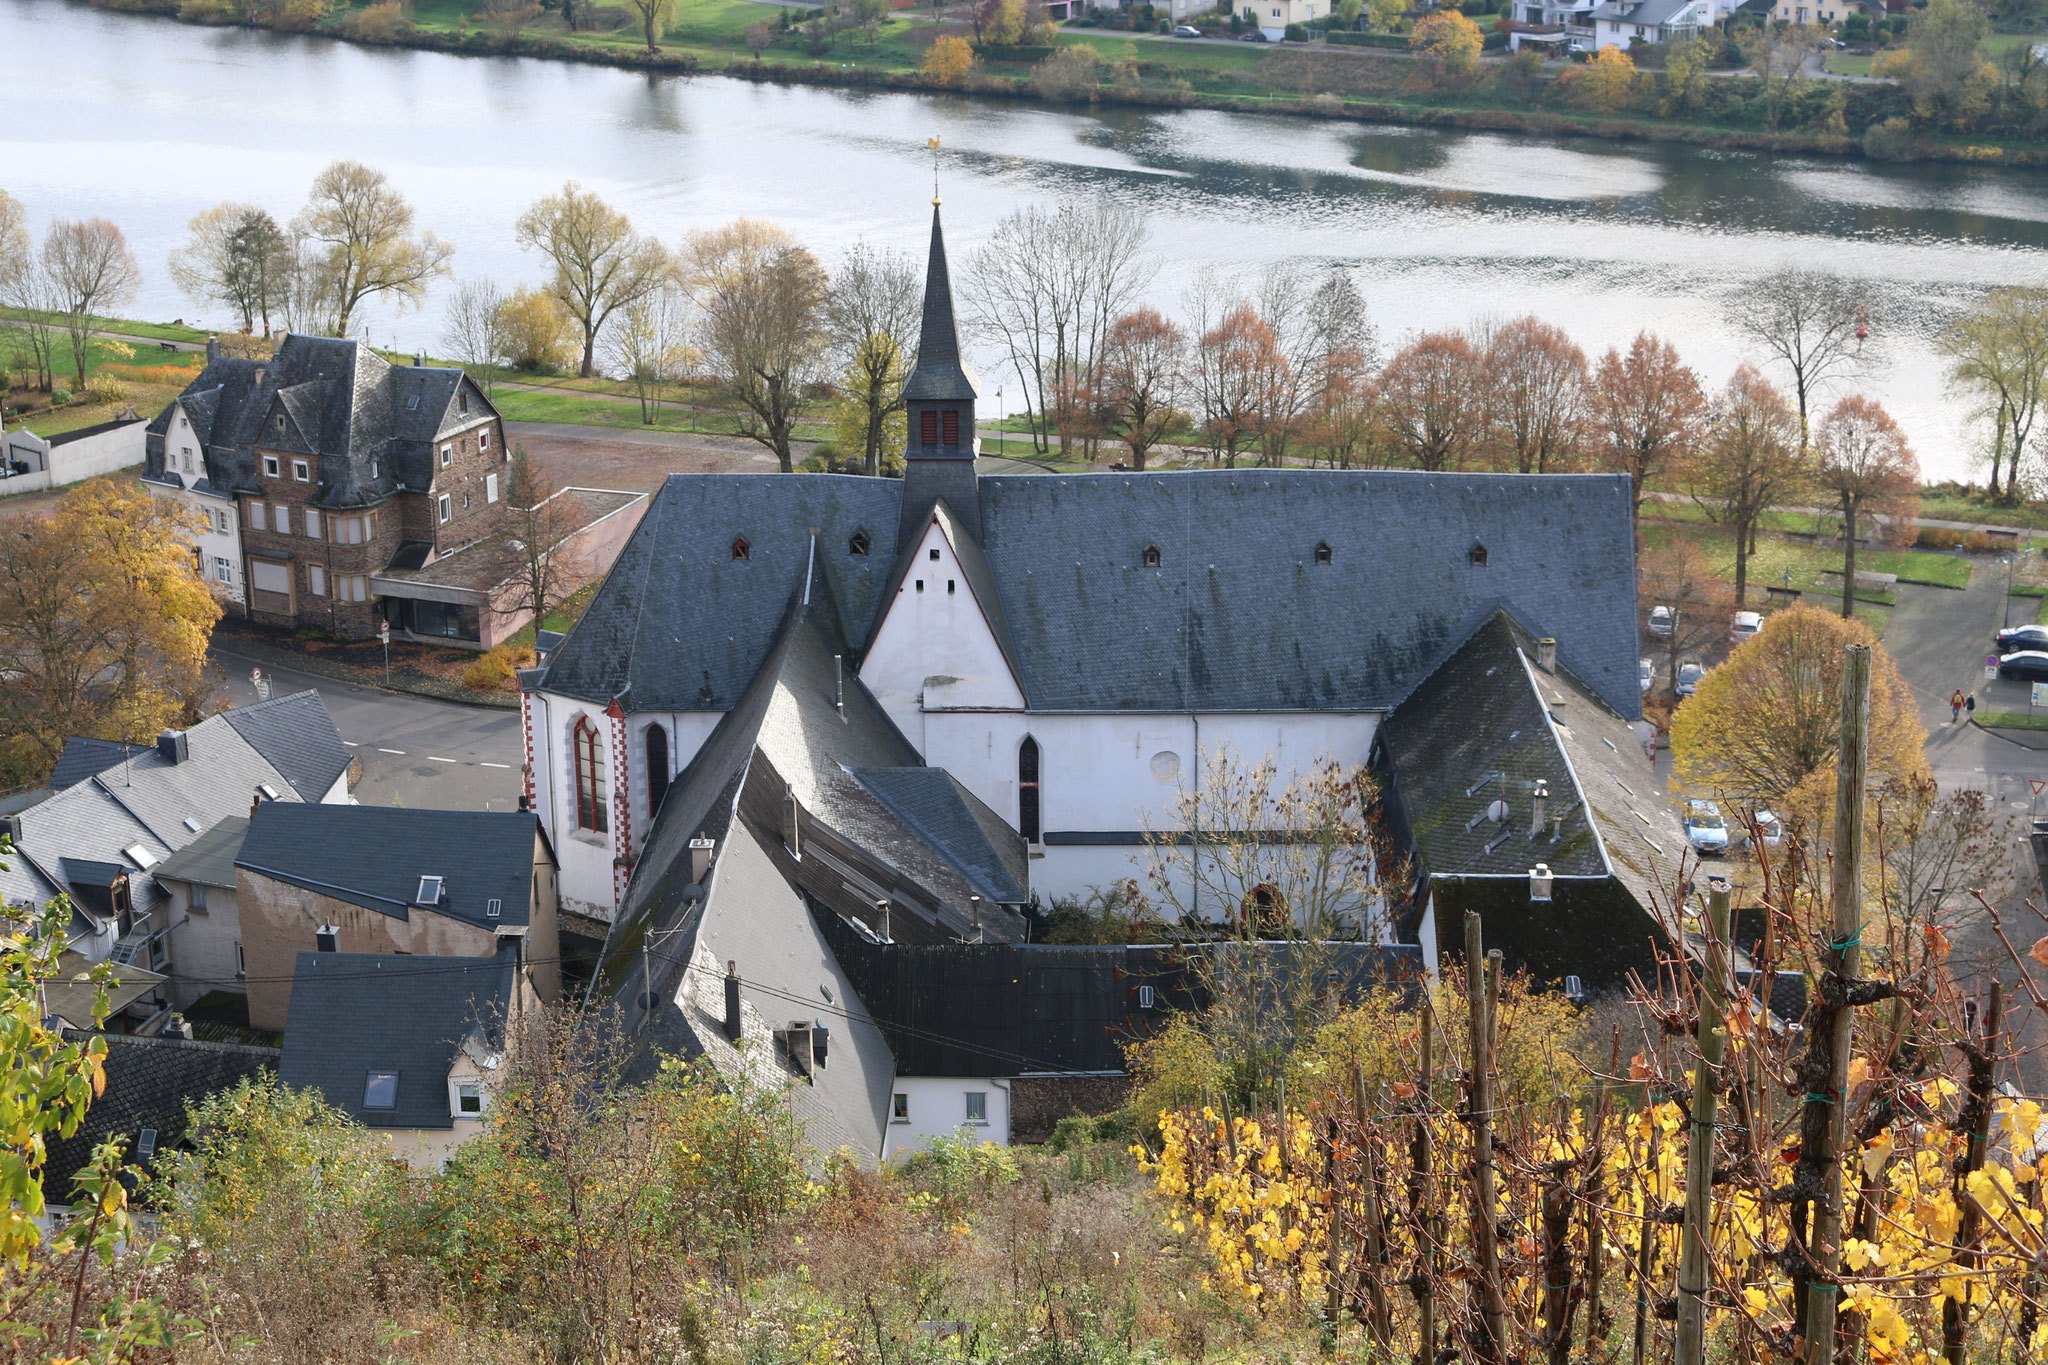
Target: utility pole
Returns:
[[1824, 1127], [1699, 1151]]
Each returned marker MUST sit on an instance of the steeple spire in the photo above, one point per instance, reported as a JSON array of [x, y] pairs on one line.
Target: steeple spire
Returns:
[[939, 374], [938, 401]]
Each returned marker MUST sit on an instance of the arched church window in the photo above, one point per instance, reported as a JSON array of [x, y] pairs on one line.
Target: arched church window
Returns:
[[657, 768], [590, 777], [1027, 790]]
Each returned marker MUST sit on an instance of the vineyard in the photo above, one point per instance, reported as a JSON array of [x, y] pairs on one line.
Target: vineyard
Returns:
[[1851, 1184]]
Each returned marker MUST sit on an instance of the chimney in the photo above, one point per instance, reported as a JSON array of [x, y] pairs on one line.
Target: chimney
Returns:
[[974, 908], [523, 806], [1540, 882], [732, 1001], [1540, 801], [1546, 654], [212, 348], [1556, 825], [882, 921], [700, 860], [327, 938], [255, 801], [173, 746]]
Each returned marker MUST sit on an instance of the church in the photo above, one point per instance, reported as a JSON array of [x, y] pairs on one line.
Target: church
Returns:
[[977, 689]]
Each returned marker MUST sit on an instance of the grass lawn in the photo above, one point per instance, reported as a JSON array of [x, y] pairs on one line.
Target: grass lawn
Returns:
[[1849, 63], [1816, 569], [155, 331], [1961, 507], [145, 379], [519, 405], [2012, 720]]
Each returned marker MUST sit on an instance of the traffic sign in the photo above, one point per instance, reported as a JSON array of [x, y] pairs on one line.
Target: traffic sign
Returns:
[[2038, 784]]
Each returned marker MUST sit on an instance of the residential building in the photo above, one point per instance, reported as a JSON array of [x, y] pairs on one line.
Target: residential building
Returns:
[[1065, 648], [365, 880], [409, 1047], [1555, 25], [1272, 17], [326, 464], [30, 463], [1824, 12], [117, 812], [205, 935], [1618, 23]]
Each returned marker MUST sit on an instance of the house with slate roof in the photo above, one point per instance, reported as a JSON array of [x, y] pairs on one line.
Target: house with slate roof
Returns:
[[1061, 647], [118, 812], [409, 1047], [365, 880], [323, 465]]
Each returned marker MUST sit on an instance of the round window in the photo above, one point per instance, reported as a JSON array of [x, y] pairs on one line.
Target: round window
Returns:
[[1166, 765]]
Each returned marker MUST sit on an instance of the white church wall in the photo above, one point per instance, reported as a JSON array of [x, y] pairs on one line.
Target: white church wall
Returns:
[[934, 648]]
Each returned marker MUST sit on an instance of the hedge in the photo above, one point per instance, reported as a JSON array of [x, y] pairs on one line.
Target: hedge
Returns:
[[1027, 53], [1348, 38]]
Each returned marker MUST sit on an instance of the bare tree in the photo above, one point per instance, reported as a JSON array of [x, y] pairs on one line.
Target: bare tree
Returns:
[[1867, 468], [1749, 463], [1143, 358], [1648, 411], [648, 345], [1536, 383], [1316, 322], [24, 285], [876, 307], [361, 232], [302, 298], [1937, 846], [88, 268], [1809, 321], [526, 551], [473, 334], [762, 305], [232, 257], [16, 249], [1998, 351], [1045, 287], [1429, 404], [1678, 576], [601, 264]]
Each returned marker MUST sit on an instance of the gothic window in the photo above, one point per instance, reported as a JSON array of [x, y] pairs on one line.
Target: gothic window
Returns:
[[657, 769], [1476, 556], [951, 422], [740, 548], [1323, 552], [928, 428], [859, 544], [1027, 790], [590, 783], [1151, 556]]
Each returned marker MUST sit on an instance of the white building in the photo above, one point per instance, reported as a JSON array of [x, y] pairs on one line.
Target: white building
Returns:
[[218, 547], [1617, 23], [30, 463]]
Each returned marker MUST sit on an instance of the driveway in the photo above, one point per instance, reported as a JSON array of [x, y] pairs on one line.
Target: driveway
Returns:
[[415, 751]]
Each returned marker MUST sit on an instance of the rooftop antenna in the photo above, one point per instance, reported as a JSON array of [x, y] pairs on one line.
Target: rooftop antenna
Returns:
[[933, 143]]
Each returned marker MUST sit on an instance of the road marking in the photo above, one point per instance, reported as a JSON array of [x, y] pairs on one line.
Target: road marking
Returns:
[[351, 743], [436, 758], [399, 752], [494, 765]]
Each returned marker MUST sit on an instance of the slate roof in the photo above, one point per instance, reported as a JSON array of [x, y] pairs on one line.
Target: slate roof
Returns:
[[297, 735], [956, 823], [342, 405], [1238, 617], [84, 757], [374, 856], [208, 860], [150, 1081], [939, 374], [98, 428], [354, 1013]]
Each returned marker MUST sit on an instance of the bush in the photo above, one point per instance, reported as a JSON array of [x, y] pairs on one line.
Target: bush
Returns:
[[104, 388], [1068, 74], [1891, 140], [380, 23], [1350, 39], [60, 396], [536, 330], [494, 669], [1295, 33], [1975, 542], [209, 11]]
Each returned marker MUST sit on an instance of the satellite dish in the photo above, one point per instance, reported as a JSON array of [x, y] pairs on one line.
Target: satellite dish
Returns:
[[1497, 812]]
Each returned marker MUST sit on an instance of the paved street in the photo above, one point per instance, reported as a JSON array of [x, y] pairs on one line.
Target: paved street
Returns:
[[415, 751]]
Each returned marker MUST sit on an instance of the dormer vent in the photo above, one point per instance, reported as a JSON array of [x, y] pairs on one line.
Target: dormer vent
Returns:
[[1151, 556], [1476, 556], [858, 544], [1323, 553], [740, 548]]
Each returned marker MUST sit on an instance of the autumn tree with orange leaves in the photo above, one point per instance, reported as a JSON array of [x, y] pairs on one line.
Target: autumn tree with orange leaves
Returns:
[[1536, 393], [1143, 358], [1867, 469], [1430, 400], [1749, 463], [1240, 374], [1648, 412]]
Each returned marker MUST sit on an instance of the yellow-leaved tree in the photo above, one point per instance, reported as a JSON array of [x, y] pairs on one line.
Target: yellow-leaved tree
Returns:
[[1606, 83], [868, 424], [1764, 726], [104, 623], [1451, 39], [948, 59]]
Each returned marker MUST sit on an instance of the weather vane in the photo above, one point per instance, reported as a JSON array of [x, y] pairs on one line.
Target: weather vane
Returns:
[[933, 143]]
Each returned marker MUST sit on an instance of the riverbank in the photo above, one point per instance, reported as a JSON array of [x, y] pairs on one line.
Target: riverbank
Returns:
[[1320, 81]]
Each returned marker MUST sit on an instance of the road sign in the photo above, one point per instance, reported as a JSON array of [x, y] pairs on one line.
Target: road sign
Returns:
[[2040, 695], [2039, 784], [384, 631], [1991, 673]]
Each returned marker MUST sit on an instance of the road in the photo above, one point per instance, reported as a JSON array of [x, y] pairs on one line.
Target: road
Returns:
[[415, 751]]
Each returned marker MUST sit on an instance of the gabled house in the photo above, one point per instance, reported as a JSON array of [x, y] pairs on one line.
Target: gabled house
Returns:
[[206, 923], [365, 880], [324, 465], [409, 1047], [1618, 23], [118, 812]]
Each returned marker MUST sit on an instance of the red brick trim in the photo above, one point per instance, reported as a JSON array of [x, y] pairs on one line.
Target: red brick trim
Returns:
[[526, 737], [622, 807]]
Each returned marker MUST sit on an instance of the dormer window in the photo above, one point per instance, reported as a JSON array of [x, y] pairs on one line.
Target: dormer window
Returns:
[[740, 548], [1151, 556], [858, 545], [1323, 552], [1476, 556], [301, 471], [462, 405]]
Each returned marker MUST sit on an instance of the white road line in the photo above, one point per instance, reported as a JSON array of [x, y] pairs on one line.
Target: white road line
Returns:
[[436, 758], [493, 765], [400, 752], [351, 743]]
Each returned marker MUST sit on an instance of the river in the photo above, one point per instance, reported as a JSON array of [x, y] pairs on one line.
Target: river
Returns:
[[146, 121]]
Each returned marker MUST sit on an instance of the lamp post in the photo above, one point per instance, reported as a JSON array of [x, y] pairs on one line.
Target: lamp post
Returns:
[[1002, 443]]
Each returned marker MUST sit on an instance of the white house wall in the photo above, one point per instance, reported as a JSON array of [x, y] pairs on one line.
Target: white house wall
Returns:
[[938, 1108]]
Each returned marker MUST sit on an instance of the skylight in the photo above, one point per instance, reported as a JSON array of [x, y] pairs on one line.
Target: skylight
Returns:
[[493, 908], [430, 891], [141, 856], [380, 1091]]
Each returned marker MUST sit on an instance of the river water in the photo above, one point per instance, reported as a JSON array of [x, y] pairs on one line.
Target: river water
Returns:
[[146, 121]]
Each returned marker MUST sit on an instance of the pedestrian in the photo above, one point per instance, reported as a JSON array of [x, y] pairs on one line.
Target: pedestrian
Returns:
[[1970, 705], [1955, 707]]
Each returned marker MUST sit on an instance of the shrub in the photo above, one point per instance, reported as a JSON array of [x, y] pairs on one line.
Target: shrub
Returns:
[[1068, 74], [948, 59], [380, 23], [1942, 538], [1295, 33], [536, 330], [493, 670], [1891, 140], [60, 395], [104, 388], [209, 11]]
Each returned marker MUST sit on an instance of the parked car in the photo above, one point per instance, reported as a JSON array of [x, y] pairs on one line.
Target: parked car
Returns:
[[1255, 36], [1689, 675], [1747, 623], [1660, 620], [1770, 830], [2031, 664], [2021, 637], [1186, 31], [1648, 673], [1705, 830]]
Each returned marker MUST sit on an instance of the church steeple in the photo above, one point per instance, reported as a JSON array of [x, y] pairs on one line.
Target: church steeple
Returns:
[[938, 401]]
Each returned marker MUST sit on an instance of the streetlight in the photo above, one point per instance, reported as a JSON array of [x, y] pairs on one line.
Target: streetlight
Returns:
[[1001, 444]]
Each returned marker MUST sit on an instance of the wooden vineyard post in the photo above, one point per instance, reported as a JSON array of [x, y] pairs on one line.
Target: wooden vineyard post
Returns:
[[1824, 1127], [1480, 974], [1955, 1317], [1699, 1150], [1424, 1210], [1372, 1241]]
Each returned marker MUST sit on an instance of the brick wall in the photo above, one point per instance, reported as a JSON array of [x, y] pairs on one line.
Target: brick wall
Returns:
[[1039, 1102], [348, 620], [474, 455]]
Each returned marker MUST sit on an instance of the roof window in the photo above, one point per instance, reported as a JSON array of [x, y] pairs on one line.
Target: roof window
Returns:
[[740, 548], [1323, 554], [1151, 556], [493, 908], [140, 856], [430, 891], [412, 404], [145, 1144], [858, 545], [380, 1090], [1476, 556], [269, 792]]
